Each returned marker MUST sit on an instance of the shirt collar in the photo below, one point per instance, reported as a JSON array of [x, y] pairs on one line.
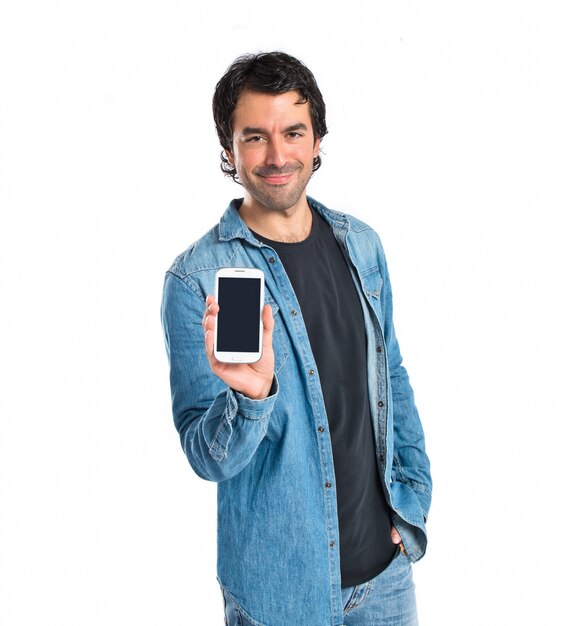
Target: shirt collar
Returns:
[[232, 226]]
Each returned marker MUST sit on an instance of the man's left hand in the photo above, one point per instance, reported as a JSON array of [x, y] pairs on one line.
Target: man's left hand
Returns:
[[396, 539]]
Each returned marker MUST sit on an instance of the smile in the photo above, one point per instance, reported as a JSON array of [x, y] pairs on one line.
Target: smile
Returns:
[[277, 180]]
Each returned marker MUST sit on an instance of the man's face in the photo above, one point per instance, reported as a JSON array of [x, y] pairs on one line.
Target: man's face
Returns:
[[273, 148]]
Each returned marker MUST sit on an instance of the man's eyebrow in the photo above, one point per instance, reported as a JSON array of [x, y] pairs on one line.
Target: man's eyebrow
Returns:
[[294, 127], [255, 130]]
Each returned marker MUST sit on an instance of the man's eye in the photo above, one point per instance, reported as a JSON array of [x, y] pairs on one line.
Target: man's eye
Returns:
[[294, 135], [254, 139]]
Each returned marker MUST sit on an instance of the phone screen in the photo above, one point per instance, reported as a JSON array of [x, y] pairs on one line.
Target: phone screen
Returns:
[[238, 324]]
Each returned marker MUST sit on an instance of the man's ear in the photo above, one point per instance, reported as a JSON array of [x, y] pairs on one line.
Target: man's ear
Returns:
[[316, 147], [230, 157]]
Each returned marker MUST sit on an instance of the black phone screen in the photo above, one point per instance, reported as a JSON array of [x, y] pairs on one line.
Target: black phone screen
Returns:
[[238, 328]]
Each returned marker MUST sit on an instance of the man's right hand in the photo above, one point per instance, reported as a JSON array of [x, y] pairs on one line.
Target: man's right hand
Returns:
[[254, 380]]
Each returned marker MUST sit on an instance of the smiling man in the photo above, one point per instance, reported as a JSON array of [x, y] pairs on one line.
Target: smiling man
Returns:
[[317, 448], [274, 160]]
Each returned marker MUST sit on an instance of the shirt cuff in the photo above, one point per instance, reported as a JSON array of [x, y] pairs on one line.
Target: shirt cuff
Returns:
[[256, 409]]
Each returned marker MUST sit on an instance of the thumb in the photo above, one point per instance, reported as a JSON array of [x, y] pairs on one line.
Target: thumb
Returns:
[[395, 537], [268, 321]]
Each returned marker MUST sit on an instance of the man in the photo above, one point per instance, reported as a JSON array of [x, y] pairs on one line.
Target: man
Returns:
[[317, 448]]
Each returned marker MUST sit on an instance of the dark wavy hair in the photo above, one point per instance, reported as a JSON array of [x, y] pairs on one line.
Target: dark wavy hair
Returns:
[[266, 72]]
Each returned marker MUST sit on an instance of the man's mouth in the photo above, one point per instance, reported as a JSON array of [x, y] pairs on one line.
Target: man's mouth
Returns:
[[276, 179], [275, 175]]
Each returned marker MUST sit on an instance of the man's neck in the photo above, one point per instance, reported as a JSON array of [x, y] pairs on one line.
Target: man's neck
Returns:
[[288, 226]]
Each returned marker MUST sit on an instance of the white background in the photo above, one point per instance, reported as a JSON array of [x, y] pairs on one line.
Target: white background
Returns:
[[446, 135]]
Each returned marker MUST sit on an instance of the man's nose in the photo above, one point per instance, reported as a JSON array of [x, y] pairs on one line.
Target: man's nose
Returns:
[[276, 152]]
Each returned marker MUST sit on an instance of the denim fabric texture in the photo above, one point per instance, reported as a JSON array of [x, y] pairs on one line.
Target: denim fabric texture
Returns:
[[386, 600], [278, 551]]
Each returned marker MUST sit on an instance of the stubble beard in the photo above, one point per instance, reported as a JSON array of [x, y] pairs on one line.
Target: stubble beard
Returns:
[[278, 197]]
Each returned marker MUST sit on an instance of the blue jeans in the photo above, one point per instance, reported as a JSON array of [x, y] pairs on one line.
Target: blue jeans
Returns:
[[386, 600]]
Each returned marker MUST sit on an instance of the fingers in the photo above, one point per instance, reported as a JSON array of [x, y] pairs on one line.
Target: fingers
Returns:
[[209, 337], [396, 539], [211, 308], [209, 318], [208, 323]]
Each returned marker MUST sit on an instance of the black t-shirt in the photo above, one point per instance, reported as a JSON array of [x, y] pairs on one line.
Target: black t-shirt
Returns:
[[333, 316]]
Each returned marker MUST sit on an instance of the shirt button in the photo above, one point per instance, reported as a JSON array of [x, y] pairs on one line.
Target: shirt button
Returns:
[[311, 372], [376, 294], [381, 403], [328, 485], [379, 349], [293, 312], [332, 544], [272, 260], [321, 429]]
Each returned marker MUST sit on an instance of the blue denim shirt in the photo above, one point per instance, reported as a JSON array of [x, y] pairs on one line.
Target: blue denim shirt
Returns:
[[278, 551]]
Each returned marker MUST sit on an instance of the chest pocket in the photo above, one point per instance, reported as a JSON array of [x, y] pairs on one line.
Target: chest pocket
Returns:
[[281, 350], [372, 284]]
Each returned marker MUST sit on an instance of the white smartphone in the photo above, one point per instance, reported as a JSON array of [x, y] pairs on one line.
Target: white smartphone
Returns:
[[238, 328]]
